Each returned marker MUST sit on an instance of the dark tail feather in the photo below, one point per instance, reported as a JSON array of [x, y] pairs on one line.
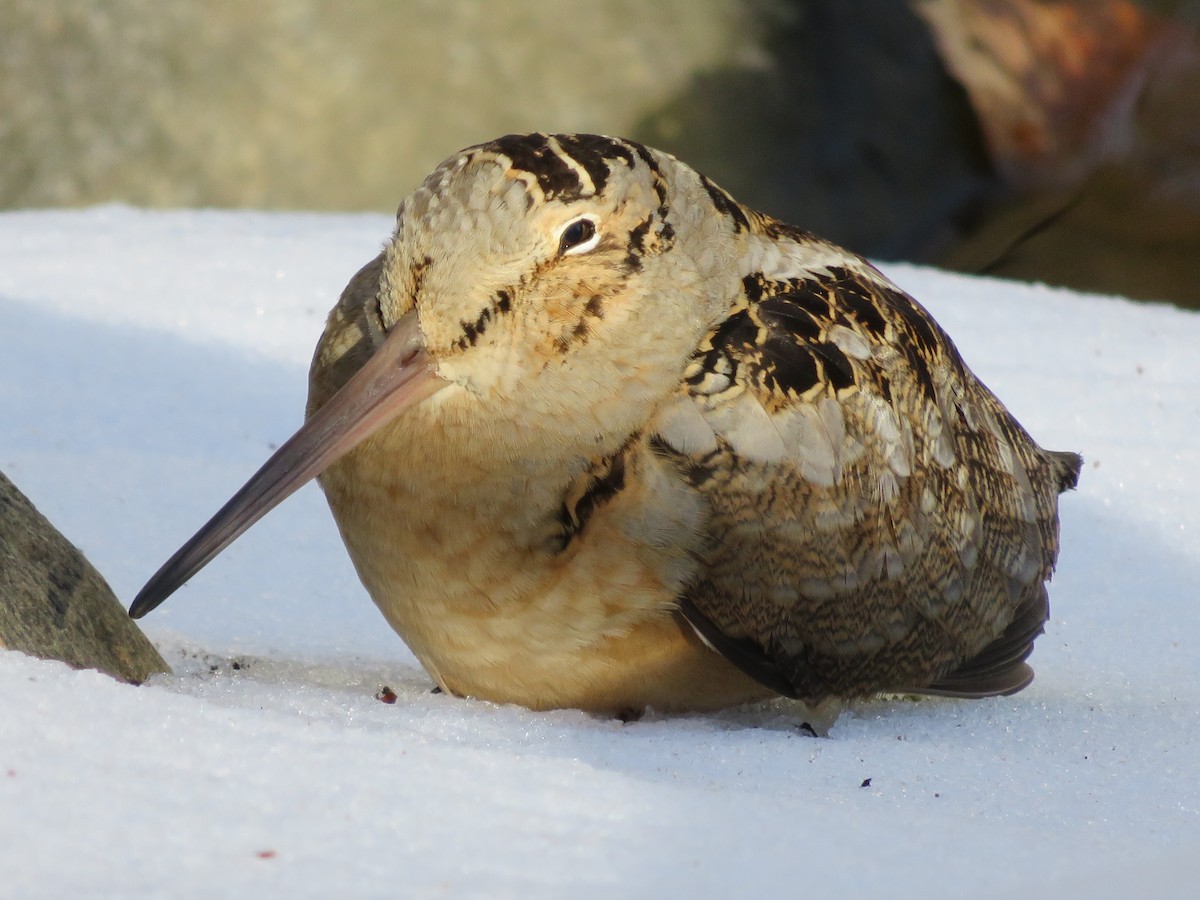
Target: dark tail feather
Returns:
[[1066, 468], [1000, 668]]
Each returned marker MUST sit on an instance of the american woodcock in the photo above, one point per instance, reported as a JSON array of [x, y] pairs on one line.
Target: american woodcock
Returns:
[[596, 435]]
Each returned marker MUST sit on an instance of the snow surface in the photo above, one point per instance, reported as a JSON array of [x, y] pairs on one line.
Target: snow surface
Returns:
[[151, 360]]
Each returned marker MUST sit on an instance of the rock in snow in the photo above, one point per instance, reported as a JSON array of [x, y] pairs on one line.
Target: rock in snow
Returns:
[[56, 605]]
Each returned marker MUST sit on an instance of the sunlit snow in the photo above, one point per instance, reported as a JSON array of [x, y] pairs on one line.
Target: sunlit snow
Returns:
[[150, 361]]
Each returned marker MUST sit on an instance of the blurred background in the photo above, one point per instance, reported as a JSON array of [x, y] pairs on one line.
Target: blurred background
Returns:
[[1031, 139]]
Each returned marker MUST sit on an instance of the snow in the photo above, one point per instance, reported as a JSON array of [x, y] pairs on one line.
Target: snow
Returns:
[[150, 362]]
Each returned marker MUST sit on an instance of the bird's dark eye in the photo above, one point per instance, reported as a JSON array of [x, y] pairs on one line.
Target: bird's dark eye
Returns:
[[579, 235]]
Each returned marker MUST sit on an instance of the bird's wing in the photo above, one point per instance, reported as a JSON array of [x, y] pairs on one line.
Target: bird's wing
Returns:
[[877, 519]]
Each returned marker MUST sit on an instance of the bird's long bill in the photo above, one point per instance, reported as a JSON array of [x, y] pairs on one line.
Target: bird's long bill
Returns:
[[397, 376]]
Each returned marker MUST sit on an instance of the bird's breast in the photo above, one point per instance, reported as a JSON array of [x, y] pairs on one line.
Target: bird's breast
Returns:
[[477, 561]]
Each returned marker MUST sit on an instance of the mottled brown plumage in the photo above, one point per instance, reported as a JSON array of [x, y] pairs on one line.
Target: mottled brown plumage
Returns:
[[916, 500], [596, 435]]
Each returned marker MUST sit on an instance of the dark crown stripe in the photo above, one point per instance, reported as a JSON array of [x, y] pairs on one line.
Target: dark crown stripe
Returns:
[[554, 160], [595, 154], [532, 153], [725, 204]]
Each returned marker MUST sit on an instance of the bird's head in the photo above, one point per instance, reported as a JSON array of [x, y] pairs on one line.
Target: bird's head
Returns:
[[544, 271], [558, 278]]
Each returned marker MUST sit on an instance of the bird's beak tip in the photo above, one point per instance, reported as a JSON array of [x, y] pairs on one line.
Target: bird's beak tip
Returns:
[[399, 375]]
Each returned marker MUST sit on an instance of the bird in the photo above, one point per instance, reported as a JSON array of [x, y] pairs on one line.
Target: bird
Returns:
[[598, 436]]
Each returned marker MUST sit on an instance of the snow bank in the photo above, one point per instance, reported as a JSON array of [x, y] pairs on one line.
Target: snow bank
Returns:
[[152, 360]]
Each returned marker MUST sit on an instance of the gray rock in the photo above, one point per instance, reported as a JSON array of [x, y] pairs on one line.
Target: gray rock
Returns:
[[303, 104], [843, 118], [55, 605], [837, 116]]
